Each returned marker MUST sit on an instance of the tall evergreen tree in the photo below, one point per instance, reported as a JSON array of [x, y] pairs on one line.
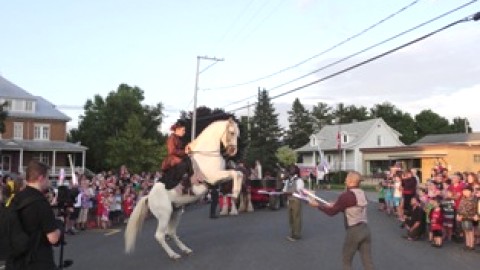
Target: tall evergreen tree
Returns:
[[264, 133], [300, 125], [321, 116]]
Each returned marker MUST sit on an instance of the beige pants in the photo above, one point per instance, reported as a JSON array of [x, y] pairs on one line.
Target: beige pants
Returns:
[[295, 217], [83, 215]]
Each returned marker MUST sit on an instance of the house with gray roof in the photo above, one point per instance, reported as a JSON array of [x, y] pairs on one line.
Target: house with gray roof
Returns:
[[35, 129], [339, 145]]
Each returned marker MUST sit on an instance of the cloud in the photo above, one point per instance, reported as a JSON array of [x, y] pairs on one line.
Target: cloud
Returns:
[[440, 73]]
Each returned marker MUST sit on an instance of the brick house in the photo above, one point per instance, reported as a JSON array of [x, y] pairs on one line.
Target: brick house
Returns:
[[35, 129]]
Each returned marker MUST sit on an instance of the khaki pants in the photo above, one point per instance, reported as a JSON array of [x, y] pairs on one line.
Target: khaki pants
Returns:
[[295, 217], [357, 239]]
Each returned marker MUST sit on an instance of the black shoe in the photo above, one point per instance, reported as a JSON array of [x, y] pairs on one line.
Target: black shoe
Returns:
[[213, 216]]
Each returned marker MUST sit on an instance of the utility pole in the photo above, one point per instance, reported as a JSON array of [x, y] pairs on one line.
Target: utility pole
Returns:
[[194, 116]]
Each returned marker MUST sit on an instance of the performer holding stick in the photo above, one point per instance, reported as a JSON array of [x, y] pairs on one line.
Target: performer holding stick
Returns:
[[353, 203], [293, 185]]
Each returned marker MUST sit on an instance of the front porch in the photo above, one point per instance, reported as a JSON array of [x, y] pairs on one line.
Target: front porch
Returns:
[[16, 154]]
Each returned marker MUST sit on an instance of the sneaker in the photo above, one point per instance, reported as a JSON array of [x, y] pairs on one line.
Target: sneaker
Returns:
[[291, 239]]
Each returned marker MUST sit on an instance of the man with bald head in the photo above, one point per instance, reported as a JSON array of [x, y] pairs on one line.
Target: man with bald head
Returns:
[[353, 203]]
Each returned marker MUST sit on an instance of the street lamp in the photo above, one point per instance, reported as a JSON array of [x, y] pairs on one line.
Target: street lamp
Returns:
[[194, 116]]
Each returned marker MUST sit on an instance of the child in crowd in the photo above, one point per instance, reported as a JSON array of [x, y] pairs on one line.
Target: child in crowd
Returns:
[[467, 213], [448, 208], [381, 197], [388, 192], [436, 222], [128, 202], [397, 195], [100, 207], [428, 206]]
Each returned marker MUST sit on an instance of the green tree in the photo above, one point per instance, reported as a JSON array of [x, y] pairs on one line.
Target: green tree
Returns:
[[300, 126], [132, 148], [3, 116], [353, 113], [107, 118], [429, 122], [286, 156], [398, 120], [321, 116], [264, 133], [460, 125]]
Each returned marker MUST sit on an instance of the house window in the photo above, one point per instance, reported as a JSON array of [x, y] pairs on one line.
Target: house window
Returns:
[[28, 106], [41, 132], [17, 105], [18, 130], [344, 138], [43, 157], [476, 158], [379, 140]]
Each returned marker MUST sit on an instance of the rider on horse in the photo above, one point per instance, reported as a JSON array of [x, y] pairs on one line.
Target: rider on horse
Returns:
[[177, 166]]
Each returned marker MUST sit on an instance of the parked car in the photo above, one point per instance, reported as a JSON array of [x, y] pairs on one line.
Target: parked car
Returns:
[[267, 192]]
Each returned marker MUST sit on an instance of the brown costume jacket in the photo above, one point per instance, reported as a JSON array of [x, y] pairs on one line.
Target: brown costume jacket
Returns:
[[175, 150]]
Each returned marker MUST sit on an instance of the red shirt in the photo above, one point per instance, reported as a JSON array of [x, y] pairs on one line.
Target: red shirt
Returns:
[[457, 192], [436, 220]]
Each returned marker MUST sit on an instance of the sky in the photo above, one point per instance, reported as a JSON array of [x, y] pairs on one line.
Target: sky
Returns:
[[70, 51]]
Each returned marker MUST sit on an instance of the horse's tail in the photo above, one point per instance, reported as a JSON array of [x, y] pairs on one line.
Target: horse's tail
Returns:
[[135, 223]]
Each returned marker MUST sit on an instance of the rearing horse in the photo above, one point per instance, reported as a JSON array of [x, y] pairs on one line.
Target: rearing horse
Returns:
[[165, 204]]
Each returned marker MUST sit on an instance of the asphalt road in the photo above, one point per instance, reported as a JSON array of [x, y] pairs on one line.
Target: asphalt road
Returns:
[[258, 241]]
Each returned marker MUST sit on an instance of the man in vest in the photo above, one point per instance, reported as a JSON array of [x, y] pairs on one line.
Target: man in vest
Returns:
[[292, 185], [353, 203]]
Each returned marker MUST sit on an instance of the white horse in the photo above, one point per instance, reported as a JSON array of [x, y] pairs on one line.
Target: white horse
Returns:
[[166, 205]]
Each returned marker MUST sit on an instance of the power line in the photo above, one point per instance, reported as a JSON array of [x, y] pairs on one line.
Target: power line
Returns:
[[323, 52], [251, 31], [360, 52], [474, 17]]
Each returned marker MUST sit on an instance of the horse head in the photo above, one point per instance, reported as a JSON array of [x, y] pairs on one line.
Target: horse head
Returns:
[[230, 137]]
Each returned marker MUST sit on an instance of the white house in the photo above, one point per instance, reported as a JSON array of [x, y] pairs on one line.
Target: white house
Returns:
[[354, 136]]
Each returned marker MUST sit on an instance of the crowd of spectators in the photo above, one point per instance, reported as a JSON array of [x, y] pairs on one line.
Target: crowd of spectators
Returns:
[[100, 201], [445, 208]]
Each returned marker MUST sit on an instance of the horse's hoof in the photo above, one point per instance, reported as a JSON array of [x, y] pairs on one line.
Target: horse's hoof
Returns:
[[175, 256], [187, 251]]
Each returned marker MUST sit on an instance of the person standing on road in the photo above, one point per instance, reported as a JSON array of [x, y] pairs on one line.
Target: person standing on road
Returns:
[[38, 221], [294, 184], [353, 203]]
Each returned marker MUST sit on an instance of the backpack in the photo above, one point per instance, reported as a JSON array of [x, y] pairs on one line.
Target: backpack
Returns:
[[14, 241]]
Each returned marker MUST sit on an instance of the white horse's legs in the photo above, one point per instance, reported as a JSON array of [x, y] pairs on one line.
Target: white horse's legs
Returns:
[[249, 202], [172, 230], [242, 206], [233, 210], [160, 236], [237, 183], [224, 210]]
